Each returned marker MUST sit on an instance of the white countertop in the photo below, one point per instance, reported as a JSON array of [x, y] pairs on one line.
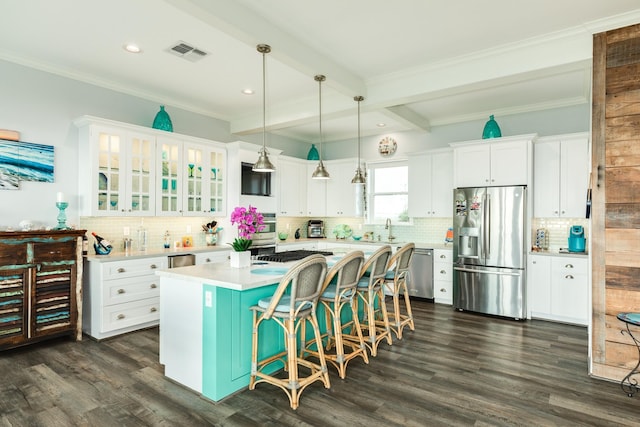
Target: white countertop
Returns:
[[121, 255], [221, 274]]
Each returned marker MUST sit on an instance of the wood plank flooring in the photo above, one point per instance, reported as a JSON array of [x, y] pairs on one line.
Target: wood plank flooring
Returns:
[[457, 369]]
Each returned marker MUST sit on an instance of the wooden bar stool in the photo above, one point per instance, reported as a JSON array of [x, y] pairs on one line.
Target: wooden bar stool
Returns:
[[396, 283], [339, 292], [304, 282], [371, 293]]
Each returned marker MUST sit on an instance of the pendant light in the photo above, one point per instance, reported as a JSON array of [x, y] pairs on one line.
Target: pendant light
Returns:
[[358, 178], [320, 172], [264, 164]]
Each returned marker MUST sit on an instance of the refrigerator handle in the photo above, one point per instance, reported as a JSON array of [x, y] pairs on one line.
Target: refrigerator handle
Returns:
[[486, 227], [497, 273]]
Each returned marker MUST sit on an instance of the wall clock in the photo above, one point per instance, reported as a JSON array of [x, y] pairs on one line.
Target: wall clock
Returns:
[[387, 146]]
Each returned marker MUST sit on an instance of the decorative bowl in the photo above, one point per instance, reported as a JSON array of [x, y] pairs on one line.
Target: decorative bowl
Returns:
[[356, 237], [283, 236]]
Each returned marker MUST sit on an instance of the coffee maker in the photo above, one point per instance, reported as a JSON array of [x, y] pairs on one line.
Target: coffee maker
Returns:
[[576, 239], [315, 228]]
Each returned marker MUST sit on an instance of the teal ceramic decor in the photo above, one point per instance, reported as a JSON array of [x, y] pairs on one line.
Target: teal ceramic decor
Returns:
[[491, 129], [313, 153], [163, 121]]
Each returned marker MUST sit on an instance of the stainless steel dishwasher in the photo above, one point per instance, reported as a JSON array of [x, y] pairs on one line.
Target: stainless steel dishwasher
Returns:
[[181, 260], [420, 279]]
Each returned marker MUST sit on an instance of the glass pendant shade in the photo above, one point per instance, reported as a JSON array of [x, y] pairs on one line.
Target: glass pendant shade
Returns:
[[320, 172], [358, 177], [264, 164]]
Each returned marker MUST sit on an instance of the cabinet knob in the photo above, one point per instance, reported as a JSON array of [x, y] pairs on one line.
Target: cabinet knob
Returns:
[[207, 260], [443, 272], [568, 276], [121, 270], [443, 290], [120, 316], [443, 256], [152, 266], [568, 266], [121, 291], [153, 286], [153, 309], [555, 212]]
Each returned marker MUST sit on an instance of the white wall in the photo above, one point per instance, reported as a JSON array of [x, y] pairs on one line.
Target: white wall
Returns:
[[42, 107], [549, 122]]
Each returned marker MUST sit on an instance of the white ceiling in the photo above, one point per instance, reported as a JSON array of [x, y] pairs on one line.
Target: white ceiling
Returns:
[[418, 63]]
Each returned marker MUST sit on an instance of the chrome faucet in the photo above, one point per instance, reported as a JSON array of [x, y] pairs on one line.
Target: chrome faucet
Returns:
[[387, 226]]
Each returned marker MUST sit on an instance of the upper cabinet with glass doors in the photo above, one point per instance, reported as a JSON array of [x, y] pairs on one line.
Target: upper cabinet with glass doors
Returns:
[[191, 178], [116, 171], [131, 170]]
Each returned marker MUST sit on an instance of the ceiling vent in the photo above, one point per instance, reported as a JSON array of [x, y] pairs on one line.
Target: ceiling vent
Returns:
[[187, 51]]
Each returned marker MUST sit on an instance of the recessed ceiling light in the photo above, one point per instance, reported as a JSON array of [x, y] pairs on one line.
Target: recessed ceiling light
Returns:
[[248, 91], [132, 48], [381, 125]]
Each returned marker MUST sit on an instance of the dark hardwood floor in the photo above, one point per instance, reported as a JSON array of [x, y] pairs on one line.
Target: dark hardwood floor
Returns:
[[456, 369]]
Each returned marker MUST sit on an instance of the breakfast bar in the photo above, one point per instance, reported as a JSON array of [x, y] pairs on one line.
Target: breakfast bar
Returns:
[[206, 324]]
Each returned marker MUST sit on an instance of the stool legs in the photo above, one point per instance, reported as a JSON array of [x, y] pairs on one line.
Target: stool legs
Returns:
[[400, 320]]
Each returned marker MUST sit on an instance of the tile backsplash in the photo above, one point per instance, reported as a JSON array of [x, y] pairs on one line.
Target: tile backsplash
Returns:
[[424, 230]]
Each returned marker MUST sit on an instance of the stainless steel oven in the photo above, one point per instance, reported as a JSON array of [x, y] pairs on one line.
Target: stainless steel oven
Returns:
[[266, 237]]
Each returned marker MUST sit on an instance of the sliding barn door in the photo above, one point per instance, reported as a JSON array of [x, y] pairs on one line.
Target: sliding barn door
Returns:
[[615, 227]]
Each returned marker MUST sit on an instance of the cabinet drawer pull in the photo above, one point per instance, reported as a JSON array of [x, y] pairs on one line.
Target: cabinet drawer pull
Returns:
[[443, 290], [568, 266], [121, 291], [443, 272], [153, 286], [120, 316], [568, 276], [207, 260], [121, 270], [152, 266], [153, 309], [443, 256]]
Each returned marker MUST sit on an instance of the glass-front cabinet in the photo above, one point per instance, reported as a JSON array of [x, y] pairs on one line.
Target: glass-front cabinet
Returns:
[[116, 172], [127, 170], [191, 179]]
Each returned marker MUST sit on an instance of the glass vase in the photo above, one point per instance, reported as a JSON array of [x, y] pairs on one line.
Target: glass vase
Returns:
[[163, 121]]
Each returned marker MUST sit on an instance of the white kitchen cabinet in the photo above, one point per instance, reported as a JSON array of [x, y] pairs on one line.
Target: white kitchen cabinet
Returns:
[[341, 193], [443, 276], [292, 186], [503, 161], [127, 170], [116, 170], [212, 256], [561, 175], [431, 184], [539, 285], [559, 288], [121, 296], [316, 193], [190, 178]]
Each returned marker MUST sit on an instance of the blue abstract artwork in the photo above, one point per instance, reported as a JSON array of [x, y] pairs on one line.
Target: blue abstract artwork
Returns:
[[24, 161]]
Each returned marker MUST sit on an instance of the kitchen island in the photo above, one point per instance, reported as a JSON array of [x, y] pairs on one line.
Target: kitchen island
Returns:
[[206, 324]]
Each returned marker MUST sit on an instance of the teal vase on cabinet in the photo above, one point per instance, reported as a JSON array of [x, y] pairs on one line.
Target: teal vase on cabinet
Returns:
[[163, 121], [491, 129], [313, 153]]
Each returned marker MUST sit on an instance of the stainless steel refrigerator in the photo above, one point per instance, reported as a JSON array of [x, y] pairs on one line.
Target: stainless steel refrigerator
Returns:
[[489, 250]]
